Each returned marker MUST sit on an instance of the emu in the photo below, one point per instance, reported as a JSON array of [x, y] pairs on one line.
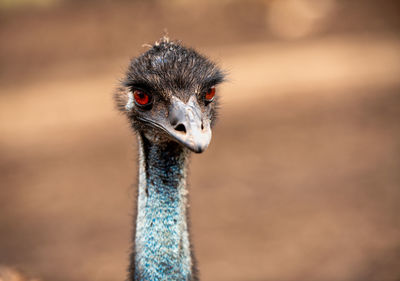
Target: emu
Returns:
[[169, 97]]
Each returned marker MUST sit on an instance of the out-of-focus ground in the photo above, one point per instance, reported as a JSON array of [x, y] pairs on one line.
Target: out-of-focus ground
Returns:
[[301, 181]]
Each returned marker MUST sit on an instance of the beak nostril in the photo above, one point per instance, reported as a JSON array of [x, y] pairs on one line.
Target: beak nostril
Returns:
[[181, 128]]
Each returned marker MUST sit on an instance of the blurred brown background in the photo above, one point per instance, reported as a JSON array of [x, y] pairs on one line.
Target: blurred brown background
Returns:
[[301, 182]]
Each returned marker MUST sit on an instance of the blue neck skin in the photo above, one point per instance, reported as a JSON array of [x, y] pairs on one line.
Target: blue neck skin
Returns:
[[162, 246]]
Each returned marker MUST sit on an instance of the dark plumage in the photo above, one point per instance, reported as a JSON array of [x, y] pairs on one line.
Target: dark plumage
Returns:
[[168, 96]]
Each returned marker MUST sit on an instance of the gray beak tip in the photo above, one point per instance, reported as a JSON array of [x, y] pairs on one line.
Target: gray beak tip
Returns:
[[199, 149]]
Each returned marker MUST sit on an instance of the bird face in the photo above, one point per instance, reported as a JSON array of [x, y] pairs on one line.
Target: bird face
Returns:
[[170, 94]]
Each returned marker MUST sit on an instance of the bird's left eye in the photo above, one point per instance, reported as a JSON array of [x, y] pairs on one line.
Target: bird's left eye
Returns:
[[209, 96], [141, 98]]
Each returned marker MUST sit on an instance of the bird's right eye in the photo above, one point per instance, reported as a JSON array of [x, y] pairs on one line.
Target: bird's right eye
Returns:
[[209, 95], [141, 98]]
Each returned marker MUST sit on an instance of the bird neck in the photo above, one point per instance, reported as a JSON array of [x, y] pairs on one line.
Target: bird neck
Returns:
[[162, 246]]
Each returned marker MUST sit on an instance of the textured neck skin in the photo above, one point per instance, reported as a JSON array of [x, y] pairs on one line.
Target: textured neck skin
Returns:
[[162, 246]]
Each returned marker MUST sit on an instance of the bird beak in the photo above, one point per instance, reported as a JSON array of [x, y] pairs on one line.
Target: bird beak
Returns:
[[187, 125]]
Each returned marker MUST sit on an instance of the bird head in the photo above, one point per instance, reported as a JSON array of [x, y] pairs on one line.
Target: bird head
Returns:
[[169, 94]]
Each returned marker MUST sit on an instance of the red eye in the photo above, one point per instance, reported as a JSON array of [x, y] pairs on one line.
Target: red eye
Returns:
[[210, 94], [141, 98]]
